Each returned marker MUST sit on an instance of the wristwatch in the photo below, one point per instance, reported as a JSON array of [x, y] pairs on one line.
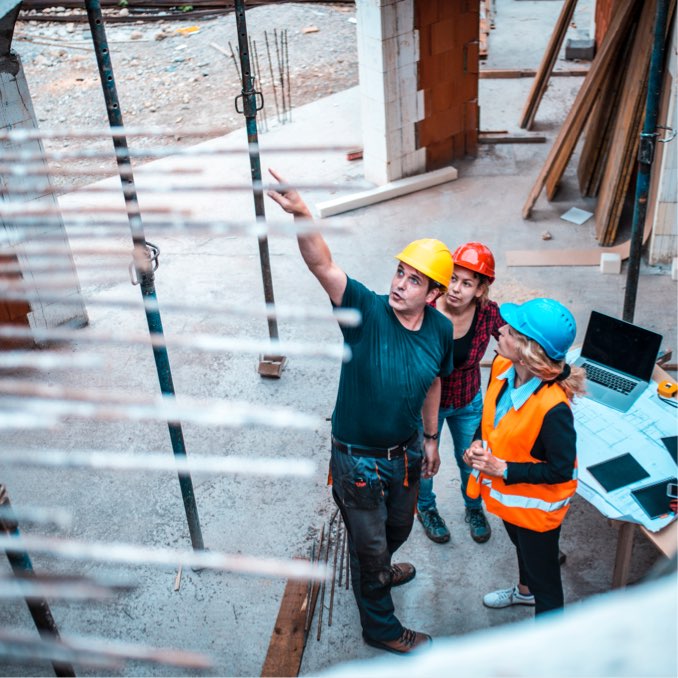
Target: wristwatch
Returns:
[[431, 436]]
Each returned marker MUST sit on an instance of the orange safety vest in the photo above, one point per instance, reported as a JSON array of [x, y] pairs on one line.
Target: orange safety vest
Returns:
[[539, 507]]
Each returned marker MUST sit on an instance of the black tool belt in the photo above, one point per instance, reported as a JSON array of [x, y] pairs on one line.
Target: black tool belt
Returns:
[[380, 452]]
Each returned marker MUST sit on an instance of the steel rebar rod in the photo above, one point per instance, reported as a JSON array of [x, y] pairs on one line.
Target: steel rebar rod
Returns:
[[341, 559], [648, 138], [143, 258], [21, 565], [249, 109], [289, 84], [270, 70], [334, 573], [347, 538]]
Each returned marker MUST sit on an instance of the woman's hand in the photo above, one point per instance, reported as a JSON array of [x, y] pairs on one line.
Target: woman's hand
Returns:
[[481, 459]]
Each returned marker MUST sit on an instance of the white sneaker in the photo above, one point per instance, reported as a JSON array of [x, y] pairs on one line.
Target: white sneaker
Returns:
[[506, 598]]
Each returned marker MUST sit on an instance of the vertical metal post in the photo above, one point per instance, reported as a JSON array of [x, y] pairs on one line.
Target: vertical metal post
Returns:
[[252, 101], [22, 566], [646, 148], [145, 256]]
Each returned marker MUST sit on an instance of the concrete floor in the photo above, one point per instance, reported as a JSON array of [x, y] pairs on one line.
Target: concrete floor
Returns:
[[231, 617]]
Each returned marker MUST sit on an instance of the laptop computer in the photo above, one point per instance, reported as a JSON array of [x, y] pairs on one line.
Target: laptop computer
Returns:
[[618, 358]]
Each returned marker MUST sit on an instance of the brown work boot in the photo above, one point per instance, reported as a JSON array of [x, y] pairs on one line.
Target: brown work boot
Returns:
[[408, 642], [401, 573]]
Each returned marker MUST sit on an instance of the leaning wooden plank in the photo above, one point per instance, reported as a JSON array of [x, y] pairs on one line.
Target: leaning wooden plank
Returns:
[[598, 135], [624, 145], [566, 140], [548, 61], [286, 647]]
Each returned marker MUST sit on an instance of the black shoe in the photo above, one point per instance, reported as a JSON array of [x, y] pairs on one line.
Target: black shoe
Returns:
[[434, 526], [401, 573], [408, 642], [478, 525]]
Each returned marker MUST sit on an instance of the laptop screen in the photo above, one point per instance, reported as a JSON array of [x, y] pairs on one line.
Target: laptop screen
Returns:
[[620, 345]]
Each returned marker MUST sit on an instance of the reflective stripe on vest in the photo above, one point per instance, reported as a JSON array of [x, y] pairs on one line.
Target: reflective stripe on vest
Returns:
[[518, 501]]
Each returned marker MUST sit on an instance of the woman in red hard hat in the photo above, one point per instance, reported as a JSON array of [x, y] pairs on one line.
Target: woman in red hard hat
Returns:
[[475, 319], [525, 465]]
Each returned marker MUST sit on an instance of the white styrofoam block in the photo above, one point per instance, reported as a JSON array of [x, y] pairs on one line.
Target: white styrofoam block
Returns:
[[610, 263], [394, 169], [369, 21], [375, 170], [414, 163], [404, 16], [394, 144], [378, 85], [421, 107], [407, 77], [374, 143], [409, 139], [391, 190], [388, 21], [407, 49], [371, 53], [674, 269]]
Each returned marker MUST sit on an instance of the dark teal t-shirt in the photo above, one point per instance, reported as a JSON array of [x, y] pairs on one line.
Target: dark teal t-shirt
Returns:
[[383, 387]]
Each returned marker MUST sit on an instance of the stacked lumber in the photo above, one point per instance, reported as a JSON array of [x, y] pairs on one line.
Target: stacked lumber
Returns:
[[610, 105]]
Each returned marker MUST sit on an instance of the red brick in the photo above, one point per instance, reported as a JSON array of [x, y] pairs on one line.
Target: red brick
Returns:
[[442, 97], [439, 154], [442, 36], [424, 41], [471, 56], [425, 12]]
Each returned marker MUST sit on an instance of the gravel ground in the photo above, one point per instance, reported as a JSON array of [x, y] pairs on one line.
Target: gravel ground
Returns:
[[172, 74]]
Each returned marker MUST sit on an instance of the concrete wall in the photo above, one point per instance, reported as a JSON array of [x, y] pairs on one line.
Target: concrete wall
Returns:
[[16, 111]]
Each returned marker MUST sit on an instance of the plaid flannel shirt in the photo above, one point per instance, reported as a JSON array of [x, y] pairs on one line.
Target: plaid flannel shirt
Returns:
[[459, 389]]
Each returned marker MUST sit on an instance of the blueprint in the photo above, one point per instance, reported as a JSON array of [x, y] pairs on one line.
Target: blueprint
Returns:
[[604, 433]]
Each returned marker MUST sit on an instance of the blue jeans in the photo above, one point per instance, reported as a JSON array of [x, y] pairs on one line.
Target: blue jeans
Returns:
[[463, 423], [378, 511]]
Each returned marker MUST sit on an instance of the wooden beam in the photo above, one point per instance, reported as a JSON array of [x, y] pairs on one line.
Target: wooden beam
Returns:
[[286, 647], [548, 61]]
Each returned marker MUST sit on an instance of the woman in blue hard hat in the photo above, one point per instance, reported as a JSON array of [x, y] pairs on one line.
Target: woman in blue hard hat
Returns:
[[475, 318], [525, 459]]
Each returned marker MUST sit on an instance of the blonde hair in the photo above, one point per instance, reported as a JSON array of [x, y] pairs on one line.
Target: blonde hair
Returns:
[[533, 356]]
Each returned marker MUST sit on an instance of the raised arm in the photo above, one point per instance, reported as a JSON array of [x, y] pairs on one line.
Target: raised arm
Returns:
[[313, 248]]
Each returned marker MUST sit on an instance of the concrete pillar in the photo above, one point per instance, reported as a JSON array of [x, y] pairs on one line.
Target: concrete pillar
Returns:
[[16, 112], [388, 52]]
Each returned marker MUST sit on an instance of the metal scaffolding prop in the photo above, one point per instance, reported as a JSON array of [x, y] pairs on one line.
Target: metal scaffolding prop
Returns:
[[145, 257], [252, 101]]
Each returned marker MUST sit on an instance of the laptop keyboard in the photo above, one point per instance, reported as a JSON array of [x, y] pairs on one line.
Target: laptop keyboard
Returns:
[[614, 381]]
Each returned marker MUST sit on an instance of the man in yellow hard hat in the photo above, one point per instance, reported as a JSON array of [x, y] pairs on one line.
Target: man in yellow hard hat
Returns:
[[392, 382]]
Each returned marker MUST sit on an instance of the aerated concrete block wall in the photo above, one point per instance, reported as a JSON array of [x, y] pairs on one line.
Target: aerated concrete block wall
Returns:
[[390, 106], [18, 237]]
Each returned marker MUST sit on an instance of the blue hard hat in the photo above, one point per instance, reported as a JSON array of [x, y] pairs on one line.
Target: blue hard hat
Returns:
[[546, 321]]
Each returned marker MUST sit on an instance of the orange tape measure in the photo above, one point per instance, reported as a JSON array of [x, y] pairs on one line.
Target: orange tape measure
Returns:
[[667, 388]]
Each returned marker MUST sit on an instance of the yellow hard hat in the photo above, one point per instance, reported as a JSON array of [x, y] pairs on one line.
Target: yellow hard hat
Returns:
[[430, 257]]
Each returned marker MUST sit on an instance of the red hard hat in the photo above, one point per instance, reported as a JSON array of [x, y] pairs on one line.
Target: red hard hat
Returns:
[[476, 257]]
